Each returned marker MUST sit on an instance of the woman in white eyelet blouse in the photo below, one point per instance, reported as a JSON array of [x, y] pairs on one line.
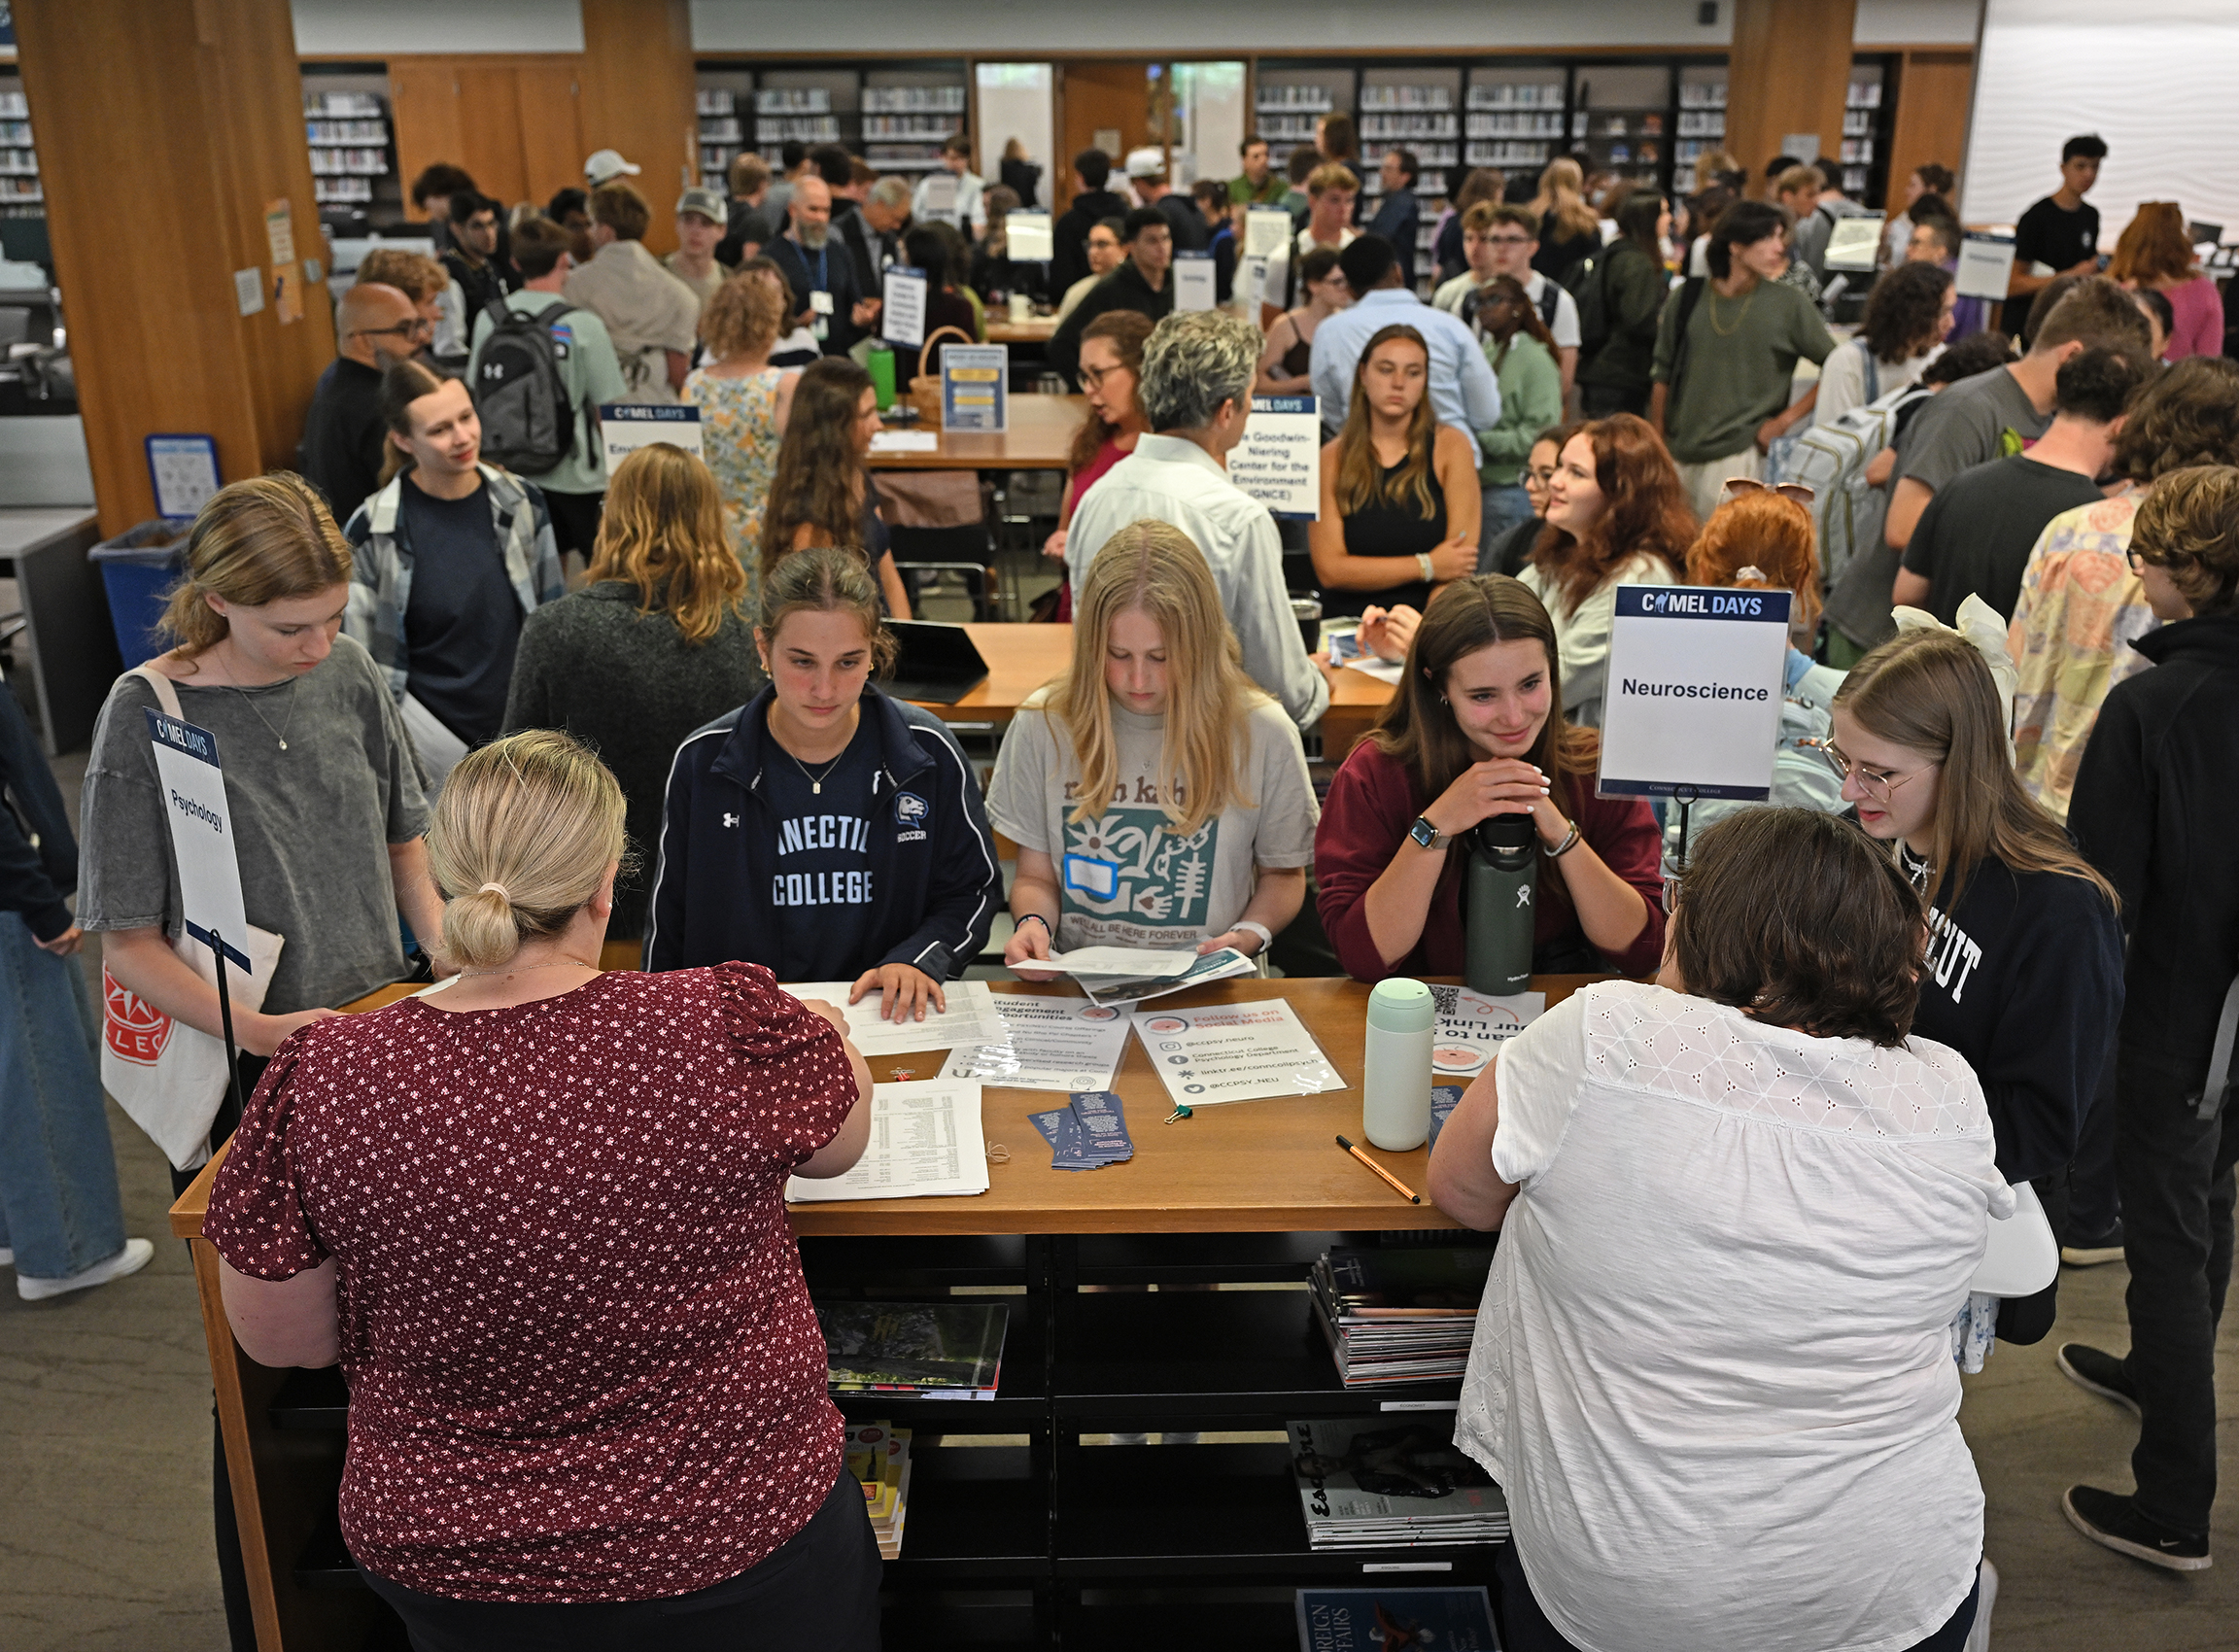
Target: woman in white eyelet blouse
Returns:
[[1739, 1210]]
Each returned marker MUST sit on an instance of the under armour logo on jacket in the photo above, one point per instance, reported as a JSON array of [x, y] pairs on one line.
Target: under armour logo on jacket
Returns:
[[730, 821]]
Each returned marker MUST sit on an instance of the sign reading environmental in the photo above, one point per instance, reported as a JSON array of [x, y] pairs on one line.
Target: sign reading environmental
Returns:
[[624, 427], [1694, 691], [1278, 460]]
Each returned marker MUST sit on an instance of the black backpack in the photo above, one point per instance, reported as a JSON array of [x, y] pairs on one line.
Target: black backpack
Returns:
[[527, 420], [1593, 321]]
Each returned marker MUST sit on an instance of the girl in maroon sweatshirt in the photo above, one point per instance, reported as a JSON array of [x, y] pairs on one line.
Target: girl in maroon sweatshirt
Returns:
[[1476, 731]]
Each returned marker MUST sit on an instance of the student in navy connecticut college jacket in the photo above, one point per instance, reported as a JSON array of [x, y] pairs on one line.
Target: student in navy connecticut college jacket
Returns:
[[825, 829]]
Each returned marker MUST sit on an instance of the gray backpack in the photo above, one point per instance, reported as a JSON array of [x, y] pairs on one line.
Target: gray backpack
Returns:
[[521, 394]]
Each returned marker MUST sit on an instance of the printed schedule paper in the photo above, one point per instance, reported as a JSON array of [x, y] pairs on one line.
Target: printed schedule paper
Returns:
[[1234, 1053], [1048, 1044], [926, 1142], [970, 1018]]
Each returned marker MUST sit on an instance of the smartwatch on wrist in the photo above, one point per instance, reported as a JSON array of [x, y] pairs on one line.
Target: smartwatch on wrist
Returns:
[[1426, 834]]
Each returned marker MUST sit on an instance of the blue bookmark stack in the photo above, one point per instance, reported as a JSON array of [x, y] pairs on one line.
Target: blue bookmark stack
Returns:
[[1088, 1135]]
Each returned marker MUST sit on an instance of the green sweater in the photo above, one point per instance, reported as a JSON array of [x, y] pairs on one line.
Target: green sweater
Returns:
[[1742, 354], [1530, 401]]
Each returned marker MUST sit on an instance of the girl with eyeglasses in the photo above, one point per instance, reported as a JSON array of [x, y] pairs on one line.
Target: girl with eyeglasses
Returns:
[[1111, 364], [2024, 967]]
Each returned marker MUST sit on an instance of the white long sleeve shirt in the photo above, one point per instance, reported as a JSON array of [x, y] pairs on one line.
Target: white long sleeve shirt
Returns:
[[1172, 479]]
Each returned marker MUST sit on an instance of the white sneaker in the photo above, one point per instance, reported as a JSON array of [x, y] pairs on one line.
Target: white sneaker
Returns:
[[135, 1256], [6, 1258]]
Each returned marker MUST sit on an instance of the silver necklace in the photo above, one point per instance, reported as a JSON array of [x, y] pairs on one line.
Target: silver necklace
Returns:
[[279, 733], [522, 969], [816, 781]]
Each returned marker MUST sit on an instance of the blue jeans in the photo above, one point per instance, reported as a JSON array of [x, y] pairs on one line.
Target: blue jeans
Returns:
[[1504, 507], [58, 1204]]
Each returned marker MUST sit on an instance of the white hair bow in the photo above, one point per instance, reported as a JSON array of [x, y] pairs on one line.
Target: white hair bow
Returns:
[[1980, 624]]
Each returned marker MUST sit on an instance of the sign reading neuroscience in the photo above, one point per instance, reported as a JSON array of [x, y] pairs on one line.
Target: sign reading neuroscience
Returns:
[[1693, 703]]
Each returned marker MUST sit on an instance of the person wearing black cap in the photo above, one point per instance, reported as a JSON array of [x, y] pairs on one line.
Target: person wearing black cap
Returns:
[[1463, 392]]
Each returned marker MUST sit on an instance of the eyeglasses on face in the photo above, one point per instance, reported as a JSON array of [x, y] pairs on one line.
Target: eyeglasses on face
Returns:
[[1097, 375], [402, 329], [1797, 491], [1876, 786]]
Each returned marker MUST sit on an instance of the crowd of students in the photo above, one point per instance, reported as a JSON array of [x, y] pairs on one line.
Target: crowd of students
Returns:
[[1977, 779]]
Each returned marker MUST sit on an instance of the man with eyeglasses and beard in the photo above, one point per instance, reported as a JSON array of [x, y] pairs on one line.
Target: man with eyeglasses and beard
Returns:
[[343, 437]]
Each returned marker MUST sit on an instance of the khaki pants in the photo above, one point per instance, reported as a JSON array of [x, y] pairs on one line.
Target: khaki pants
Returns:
[[1706, 483]]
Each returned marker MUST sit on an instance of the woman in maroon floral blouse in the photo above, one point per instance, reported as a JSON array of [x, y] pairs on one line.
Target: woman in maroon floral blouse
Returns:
[[538, 1218]]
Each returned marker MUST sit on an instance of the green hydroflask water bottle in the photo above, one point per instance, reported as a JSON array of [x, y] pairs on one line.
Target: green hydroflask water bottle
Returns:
[[1500, 905]]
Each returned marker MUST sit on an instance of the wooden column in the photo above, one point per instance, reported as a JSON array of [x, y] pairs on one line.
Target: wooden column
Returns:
[[1789, 69], [1933, 88], [637, 97], [165, 132]]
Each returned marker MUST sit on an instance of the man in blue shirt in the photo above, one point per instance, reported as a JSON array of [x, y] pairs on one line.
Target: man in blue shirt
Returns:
[[1398, 215], [1464, 393]]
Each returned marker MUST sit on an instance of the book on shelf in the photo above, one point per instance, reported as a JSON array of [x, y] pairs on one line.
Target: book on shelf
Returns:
[[878, 1459], [914, 1349], [1387, 1620], [1383, 1483], [1399, 1316]]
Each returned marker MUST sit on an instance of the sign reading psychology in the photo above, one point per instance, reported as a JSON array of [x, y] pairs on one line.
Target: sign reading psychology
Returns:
[[201, 835], [1278, 460], [1695, 683]]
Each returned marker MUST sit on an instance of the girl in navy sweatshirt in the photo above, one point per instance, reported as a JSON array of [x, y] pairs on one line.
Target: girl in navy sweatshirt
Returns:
[[2024, 967], [825, 829]]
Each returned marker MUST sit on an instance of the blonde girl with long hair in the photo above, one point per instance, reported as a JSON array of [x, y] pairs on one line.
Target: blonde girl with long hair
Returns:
[[1570, 230], [2024, 972], [1399, 495], [1157, 798], [659, 641]]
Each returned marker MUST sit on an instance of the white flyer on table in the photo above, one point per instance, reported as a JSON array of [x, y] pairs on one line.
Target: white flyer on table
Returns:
[[1119, 960], [1234, 1053], [1473, 1025], [970, 1018], [906, 441], [1050, 1043], [926, 1142]]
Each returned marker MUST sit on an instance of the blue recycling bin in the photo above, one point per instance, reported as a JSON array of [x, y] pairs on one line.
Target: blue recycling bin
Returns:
[[138, 568]]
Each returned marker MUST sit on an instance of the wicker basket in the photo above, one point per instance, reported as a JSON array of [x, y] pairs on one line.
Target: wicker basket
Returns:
[[925, 388]]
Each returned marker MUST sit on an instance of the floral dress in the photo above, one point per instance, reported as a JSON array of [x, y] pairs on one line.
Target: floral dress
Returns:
[[739, 431]]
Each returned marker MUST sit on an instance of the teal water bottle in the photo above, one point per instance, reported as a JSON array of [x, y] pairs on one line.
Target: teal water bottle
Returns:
[[1396, 1066], [1500, 906]]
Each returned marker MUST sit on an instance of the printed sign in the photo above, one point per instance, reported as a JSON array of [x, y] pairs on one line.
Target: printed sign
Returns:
[[1028, 235], [975, 388], [624, 427], [1266, 230], [1278, 460], [185, 471], [901, 318], [1194, 284], [1234, 1053], [201, 834], [1985, 265], [1694, 691], [1856, 243]]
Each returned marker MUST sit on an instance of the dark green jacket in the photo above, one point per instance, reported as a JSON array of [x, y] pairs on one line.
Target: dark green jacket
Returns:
[[1638, 284]]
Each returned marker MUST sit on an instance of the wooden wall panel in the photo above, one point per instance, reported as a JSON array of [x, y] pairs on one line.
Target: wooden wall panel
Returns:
[[1094, 96], [1789, 68], [1933, 91], [638, 86], [181, 122], [423, 99], [490, 129], [511, 122], [552, 146]]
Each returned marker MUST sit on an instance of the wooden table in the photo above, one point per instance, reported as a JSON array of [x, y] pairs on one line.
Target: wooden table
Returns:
[[1036, 329], [1266, 1166], [1021, 657], [1040, 438]]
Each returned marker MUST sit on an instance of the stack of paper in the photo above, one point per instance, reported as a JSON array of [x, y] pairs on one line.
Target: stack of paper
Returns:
[[1048, 1044], [924, 1350], [1377, 1483], [1401, 1316], [1088, 1135], [879, 1457], [925, 1140], [969, 1018]]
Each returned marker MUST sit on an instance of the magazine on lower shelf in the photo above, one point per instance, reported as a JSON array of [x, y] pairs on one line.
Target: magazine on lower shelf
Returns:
[[1387, 1620], [1381, 1483], [1399, 1316], [878, 1459], [919, 1350]]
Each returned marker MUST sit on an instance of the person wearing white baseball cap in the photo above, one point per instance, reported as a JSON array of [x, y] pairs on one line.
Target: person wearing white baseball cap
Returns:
[[605, 167]]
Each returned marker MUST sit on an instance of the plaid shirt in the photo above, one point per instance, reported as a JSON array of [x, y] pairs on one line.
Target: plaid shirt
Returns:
[[2079, 611], [381, 565]]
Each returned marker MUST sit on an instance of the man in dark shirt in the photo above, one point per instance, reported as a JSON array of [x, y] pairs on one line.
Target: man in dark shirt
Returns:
[[473, 260], [1091, 204], [1399, 214], [828, 297], [2061, 231], [1141, 283], [1147, 171], [1977, 533], [342, 451], [753, 224]]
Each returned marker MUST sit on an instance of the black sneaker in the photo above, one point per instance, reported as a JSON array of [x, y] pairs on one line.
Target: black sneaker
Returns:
[[2115, 1523], [2093, 1248], [2106, 1376]]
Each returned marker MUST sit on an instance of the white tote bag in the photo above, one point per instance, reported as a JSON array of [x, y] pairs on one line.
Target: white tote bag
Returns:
[[170, 1078]]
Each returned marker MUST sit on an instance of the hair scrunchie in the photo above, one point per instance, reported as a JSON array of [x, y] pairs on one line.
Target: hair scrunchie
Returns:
[[502, 893]]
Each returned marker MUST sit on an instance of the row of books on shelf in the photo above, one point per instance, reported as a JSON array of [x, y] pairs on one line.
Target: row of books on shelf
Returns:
[[807, 128], [371, 161], [333, 105], [1695, 123], [1518, 94], [1405, 97], [1509, 152], [1272, 99], [878, 1459], [1539, 125], [1425, 154], [15, 106], [1863, 94], [346, 132], [1408, 126], [914, 100], [1701, 95]]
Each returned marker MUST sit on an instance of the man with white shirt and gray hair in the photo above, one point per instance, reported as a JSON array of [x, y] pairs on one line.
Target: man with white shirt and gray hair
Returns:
[[1195, 391]]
